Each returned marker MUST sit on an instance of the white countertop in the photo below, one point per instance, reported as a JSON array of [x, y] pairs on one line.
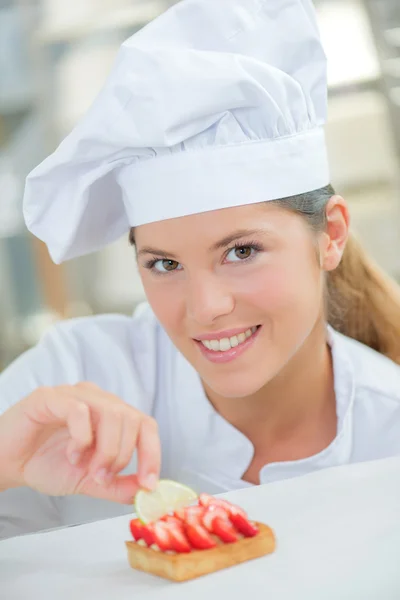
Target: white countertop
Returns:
[[338, 535]]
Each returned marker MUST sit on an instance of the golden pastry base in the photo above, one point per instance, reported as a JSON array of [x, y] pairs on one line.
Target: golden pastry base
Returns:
[[185, 566]]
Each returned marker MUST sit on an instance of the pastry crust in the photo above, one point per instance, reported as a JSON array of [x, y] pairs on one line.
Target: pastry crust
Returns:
[[182, 567]]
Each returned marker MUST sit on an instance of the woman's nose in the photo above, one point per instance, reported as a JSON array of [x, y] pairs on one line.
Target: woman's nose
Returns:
[[208, 299]]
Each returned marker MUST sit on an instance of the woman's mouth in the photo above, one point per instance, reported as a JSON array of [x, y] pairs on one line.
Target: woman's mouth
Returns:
[[225, 349]]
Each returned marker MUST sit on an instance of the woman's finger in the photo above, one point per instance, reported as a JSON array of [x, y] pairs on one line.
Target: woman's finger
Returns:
[[47, 407], [107, 413], [149, 453], [108, 433], [122, 489], [129, 437]]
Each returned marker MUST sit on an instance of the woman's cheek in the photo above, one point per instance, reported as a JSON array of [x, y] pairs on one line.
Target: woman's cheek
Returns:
[[266, 288]]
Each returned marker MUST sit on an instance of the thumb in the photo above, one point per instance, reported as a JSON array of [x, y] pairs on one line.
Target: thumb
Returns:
[[122, 489]]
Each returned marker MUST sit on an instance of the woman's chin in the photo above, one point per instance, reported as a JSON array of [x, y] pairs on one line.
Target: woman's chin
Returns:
[[239, 385]]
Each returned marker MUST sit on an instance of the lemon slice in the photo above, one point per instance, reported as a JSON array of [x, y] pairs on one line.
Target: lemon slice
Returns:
[[167, 497]]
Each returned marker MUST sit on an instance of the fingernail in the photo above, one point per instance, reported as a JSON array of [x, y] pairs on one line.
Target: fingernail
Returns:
[[74, 457], [101, 476], [150, 481]]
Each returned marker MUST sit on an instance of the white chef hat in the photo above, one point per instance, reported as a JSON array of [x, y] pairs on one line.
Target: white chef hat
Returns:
[[215, 104]]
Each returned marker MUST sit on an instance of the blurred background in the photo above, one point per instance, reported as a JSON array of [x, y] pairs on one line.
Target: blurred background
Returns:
[[54, 58]]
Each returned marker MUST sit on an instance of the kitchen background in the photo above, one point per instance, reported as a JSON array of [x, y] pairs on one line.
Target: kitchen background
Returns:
[[54, 57]]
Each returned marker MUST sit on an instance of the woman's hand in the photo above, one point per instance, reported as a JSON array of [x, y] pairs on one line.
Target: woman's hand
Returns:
[[75, 440]]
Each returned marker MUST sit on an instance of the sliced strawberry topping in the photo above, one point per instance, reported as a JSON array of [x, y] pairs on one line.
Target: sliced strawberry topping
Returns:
[[178, 539], [136, 528], [148, 534], [194, 515], [142, 532], [196, 527], [171, 519], [225, 530], [170, 535], [207, 500], [199, 537], [180, 514], [162, 536], [214, 512], [216, 520], [242, 524]]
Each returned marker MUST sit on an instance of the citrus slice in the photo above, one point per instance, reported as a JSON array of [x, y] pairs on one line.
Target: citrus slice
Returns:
[[167, 497]]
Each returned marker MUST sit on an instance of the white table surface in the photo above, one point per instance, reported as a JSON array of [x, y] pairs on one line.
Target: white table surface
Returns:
[[338, 535]]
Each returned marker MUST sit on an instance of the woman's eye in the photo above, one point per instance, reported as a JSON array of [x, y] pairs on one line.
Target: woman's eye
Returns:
[[165, 265], [240, 253]]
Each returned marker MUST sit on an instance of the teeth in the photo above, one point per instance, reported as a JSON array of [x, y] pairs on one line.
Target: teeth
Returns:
[[234, 341], [227, 343], [224, 344]]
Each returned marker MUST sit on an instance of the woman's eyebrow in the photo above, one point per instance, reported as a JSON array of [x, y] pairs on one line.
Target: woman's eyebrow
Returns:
[[156, 251], [222, 243], [235, 235]]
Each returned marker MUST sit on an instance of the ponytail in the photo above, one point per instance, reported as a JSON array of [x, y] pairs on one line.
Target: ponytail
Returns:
[[362, 301]]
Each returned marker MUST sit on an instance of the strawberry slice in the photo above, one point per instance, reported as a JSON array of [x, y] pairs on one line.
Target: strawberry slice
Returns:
[[148, 534], [172, 519], [170, 535], [194, 515], [211, 513], [178, 539], [180, 514], [224, 529], [216, 520], [140, 531], [136, 528], [191, 513], [162, 535], [207, 500], [199, 537], [243, 525]]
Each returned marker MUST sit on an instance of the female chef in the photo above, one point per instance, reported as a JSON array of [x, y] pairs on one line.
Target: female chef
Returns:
[[269, 343]]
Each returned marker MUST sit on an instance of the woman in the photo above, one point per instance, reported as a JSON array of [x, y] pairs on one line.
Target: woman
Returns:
[[206, 143]]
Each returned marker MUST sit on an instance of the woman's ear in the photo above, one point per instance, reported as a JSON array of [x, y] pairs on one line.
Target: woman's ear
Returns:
[[336, 233]]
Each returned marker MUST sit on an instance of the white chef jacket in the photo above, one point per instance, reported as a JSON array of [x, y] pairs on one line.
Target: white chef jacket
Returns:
[[134, 359]]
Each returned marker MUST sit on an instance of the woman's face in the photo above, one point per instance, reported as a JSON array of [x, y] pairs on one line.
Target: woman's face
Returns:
[[237, 290]]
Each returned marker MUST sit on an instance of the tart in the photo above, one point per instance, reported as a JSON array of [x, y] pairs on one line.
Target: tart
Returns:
[[196, 540]]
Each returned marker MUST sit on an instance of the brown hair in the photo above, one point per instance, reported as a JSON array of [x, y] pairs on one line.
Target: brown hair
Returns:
[[362, 301]]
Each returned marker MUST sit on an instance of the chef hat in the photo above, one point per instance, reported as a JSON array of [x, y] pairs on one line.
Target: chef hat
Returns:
[[215, 104]]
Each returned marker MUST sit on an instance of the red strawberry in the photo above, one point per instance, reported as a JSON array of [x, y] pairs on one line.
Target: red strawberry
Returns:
[[141, 532], [213, 512], [162, 535], [242, 524], [194, 515], [136, 528], [180, 514], [148, 534], [178, 539], [170, 519], [216, 520], [207, 500], [224, 529], [199, 537]]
